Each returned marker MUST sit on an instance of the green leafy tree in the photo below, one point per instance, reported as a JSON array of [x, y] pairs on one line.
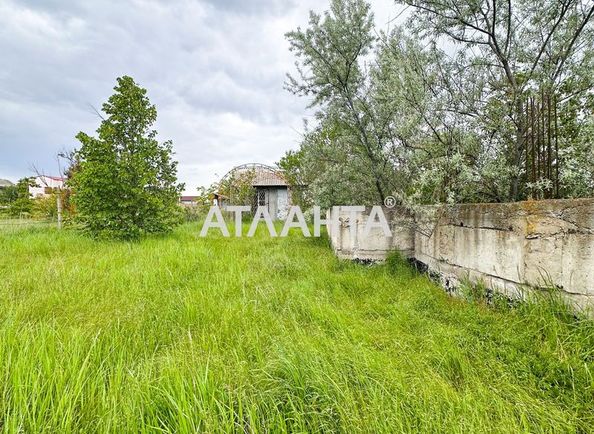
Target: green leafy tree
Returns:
[[397, 114], [331, 56], [205, 196], [47, 206], [20, 203], [364, 88], [292, 167], [238, 187], [125, 184], [440, 153], [8, 195], [332, 171], [512, 50]]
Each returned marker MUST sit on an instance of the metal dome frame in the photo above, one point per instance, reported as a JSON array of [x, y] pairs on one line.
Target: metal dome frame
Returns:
[[250, 166]]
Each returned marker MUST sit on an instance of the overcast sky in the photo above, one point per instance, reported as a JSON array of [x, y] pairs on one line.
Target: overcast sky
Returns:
[[214, 68]]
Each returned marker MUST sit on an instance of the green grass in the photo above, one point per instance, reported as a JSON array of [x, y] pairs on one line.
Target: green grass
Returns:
[[18, 224], [184, 334]]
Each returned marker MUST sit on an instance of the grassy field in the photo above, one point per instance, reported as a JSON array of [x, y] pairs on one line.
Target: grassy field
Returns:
[[184, 334], [8, 224]]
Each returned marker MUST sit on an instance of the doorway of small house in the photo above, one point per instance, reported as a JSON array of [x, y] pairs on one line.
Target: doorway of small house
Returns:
[[274, 199]]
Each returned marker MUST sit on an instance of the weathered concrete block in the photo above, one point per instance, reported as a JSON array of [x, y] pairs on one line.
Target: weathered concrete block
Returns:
[[375, 245]]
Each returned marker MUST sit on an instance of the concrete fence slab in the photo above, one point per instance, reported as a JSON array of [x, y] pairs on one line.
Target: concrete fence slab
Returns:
[[506, 246]]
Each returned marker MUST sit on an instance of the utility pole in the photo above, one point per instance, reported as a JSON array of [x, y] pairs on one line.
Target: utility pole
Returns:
[[59, 206]]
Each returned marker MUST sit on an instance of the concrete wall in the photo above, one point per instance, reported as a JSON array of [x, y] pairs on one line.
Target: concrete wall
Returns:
[[506, 246]]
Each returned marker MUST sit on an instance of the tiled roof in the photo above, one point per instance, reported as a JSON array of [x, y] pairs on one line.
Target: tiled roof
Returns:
[[265, 177]]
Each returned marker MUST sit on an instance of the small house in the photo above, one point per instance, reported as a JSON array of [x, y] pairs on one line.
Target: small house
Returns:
[[188, 201], [270, 188], [44, 185]]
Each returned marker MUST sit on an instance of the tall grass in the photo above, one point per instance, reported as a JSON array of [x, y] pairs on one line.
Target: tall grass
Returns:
[[185, 334]]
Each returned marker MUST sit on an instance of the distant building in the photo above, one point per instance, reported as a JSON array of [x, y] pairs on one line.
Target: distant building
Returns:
[[188, 200], [44, 185]]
